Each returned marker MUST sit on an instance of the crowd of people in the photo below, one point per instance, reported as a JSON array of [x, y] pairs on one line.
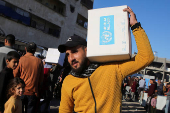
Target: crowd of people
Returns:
[[25, 80], [133, 89]]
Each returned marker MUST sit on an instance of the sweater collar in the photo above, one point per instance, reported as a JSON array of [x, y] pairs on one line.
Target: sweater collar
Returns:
[[87, 71], [29, 54], [8, 47]]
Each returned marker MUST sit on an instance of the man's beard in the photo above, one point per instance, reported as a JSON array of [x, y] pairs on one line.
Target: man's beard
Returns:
[[81, 68]]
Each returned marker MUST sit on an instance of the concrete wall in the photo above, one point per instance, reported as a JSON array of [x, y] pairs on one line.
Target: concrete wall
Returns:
[[67, 22]]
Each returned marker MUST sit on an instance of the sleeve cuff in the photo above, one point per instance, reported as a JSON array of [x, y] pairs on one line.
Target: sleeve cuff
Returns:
[[137, 25]]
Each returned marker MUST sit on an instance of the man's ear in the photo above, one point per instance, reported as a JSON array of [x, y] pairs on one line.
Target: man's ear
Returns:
[[25, 49], [85, 49], [6, 41], [7, 61]]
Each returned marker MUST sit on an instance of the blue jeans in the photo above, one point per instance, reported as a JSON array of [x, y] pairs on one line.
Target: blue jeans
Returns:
[[29, 103]]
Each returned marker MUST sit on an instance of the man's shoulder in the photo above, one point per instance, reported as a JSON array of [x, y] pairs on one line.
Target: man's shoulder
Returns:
[[5, 70], [69, 79], [31, 57], [5, 49], [38, 60], [69, 76], [3, 73], [141, 80]]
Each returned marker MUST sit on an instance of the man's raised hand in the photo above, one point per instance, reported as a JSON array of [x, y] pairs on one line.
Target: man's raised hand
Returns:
[[133, 19]]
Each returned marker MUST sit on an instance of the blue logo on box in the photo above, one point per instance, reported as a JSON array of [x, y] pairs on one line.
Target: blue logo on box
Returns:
[[107, 30]]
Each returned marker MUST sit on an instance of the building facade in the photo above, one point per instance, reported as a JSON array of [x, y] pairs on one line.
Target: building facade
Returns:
[[160, 68], [48, 23]]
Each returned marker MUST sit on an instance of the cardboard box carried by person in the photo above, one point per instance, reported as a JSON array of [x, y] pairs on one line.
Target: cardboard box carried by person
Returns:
[[108, 36], [54, 56]]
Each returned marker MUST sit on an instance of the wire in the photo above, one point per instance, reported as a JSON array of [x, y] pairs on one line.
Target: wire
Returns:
[[93, 95]]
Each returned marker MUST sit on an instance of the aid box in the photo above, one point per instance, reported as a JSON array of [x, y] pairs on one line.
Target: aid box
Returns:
[[108, 36], [54, 56]]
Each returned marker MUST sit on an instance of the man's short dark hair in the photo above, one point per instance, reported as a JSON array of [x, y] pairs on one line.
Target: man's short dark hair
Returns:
[[31, 47], [11, 39], [12, 55]]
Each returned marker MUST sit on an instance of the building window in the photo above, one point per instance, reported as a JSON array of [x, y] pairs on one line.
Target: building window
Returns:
[[82, 21], [16, 14], [87, 3], [37, 23], [53, 30], [72, 8], [45, 26], [55, 5]]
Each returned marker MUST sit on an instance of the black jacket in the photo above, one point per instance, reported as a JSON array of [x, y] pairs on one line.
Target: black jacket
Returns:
[[5, 76], [160, 89]]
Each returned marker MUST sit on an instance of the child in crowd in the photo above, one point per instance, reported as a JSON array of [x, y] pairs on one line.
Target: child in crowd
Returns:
[[153, 104], [6, 75], [15, 90]]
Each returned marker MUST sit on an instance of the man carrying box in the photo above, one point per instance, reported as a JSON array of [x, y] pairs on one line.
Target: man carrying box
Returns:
[[95, 88]]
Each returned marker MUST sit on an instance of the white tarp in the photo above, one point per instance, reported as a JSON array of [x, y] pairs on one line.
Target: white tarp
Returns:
[[44, 53], [141, 97], [161, 102], [145, 96], [168, 69], [148, 76], [54, 56]]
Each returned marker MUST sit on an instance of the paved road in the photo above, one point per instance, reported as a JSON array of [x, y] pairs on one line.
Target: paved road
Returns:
[[127, 107], [132, 107], [54, 106]]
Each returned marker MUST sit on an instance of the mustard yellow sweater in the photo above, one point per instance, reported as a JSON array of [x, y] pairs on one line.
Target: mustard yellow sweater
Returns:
[[106, 82], [13, 105]]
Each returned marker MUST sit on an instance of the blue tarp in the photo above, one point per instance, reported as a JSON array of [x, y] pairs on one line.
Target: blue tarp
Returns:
[[147, 81], [9, 12]]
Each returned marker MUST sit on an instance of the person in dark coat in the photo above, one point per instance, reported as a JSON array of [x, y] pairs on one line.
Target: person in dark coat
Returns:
[[160, 88], [6, 75], [133, 88], [151, 90]]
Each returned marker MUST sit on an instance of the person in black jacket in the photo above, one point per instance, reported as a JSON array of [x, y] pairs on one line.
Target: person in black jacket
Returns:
[[6, 75], [160, 88]]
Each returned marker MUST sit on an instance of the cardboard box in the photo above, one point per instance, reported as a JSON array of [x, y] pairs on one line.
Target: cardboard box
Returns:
[[54, 56], [108, 36]]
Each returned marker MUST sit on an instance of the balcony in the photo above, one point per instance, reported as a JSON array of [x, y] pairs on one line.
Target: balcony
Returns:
[[54, 5]]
